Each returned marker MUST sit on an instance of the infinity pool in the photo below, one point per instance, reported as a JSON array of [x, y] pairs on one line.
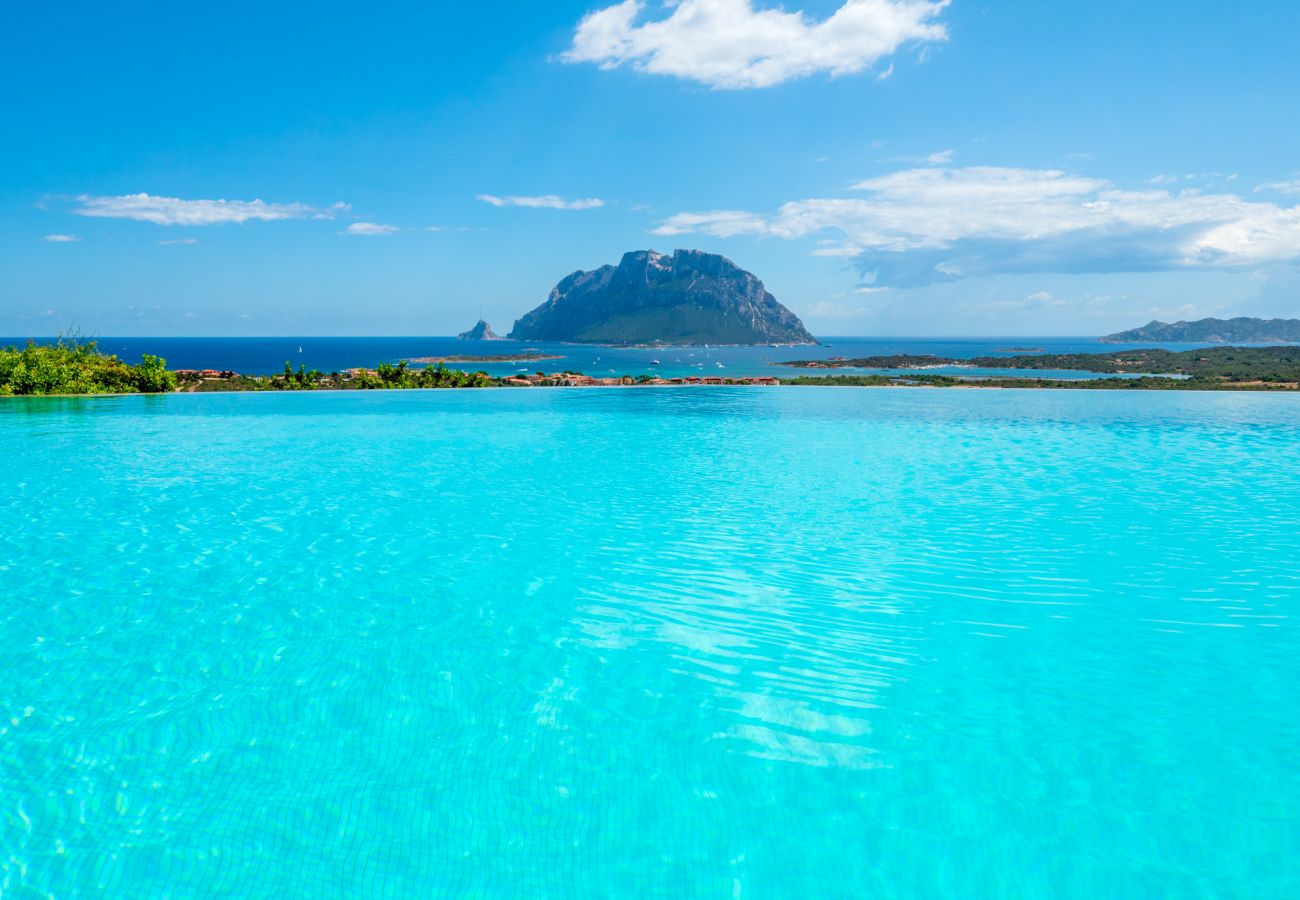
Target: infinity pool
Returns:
[[785, 642]]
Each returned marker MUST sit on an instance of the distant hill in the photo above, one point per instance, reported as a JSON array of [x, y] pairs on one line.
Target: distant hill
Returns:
[[1212, 331], [690, 297], [480, 332]]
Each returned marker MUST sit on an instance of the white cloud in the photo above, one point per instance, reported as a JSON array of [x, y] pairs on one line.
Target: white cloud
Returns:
[[1281, 187], [942, 158], [546, 201], [370, 228], [1085, 307], [730, 44], [185, 241], [62, 238], [886, 74], [175, 211], [834, 248], [922, 225]]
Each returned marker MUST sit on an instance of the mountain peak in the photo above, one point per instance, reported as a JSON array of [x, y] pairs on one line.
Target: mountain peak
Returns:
[[686, 297]]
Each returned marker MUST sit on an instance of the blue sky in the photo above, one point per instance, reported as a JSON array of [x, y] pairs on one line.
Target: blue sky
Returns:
[[892, 167]]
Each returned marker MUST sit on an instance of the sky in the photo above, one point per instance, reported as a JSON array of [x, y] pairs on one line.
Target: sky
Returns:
[[886, 167]]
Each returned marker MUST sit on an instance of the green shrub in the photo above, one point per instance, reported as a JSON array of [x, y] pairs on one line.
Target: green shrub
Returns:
[[74, 365]]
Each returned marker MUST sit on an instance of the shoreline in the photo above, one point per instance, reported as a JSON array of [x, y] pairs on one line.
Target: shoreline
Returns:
[[81, 369], [1030, 385]]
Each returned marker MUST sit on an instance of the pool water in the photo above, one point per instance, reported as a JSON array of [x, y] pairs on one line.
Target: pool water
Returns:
[[779, 642]]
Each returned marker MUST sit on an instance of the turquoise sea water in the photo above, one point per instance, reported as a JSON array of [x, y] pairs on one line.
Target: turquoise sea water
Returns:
[[702, 642]]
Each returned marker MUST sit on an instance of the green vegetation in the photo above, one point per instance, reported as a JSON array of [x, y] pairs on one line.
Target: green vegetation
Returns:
[[74, 365], [1214, 367], [400, 376], [1146, 383], [845, 381], [302, 380], [386, 377], [1236, 364]]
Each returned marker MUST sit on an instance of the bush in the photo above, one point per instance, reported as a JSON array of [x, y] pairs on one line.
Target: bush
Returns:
[[152, 377], [74, 365]]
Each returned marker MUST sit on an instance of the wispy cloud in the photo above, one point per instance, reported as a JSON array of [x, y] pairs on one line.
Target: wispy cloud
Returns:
[[938, 158], [729, 44], [926, 225], [830, 309], [1281, 187], [370, 228], [186, 241], [175, 211], [545, 201], [62, 238]]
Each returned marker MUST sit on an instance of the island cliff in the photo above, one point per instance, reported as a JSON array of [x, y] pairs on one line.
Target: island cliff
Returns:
[[690, 297]]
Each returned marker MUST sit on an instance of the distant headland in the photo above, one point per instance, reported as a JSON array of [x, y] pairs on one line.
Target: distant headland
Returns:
[[1242, 330], [686, 298]]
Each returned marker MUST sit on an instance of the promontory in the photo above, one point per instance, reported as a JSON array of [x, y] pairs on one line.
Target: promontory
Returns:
[[688, 297], [1242, 330]]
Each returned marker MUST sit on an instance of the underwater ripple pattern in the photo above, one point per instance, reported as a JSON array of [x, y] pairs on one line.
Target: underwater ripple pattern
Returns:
[[736, 643]]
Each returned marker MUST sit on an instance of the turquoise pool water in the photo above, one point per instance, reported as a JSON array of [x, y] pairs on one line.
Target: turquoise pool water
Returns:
[[704, 642]]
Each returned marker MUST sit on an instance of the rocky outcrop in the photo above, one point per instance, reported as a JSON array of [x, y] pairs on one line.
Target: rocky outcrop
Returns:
[[689, 297], [480, 332]]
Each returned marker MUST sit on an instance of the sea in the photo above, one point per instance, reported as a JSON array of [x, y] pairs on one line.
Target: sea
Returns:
[[717, 642], [268, 355]]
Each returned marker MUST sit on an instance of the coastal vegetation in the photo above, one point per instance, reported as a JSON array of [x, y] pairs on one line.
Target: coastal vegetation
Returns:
[[501, 358], [402, 376], [1208, 367], [1144, 383], [75, 365], [387, 376]]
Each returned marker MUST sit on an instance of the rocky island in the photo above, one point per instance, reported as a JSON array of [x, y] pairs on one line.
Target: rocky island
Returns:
[[1241, 330], [689, 297], [482, 331]]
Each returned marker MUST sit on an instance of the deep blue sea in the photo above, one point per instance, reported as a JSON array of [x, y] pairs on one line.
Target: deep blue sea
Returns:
[[262, 356], [731, 642]]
